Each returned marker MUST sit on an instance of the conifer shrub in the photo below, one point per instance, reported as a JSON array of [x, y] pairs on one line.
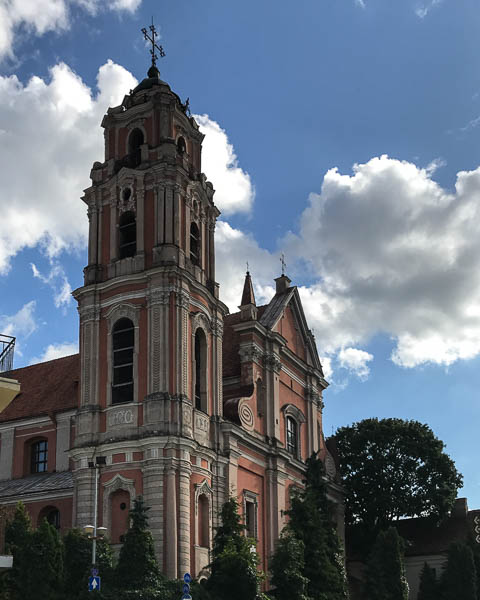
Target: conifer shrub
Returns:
[[459, 579], [385, 570], [428, 588]]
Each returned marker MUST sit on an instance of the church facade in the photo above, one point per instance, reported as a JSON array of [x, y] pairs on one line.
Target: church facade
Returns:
[[171, 396]]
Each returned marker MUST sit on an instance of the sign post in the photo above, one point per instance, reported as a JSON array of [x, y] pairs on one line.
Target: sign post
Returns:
[[187, 578]]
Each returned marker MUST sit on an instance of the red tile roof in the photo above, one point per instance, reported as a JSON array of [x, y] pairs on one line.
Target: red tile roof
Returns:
[[48, 387]]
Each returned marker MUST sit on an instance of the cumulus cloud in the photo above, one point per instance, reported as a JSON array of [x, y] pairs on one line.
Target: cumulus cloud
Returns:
[[41, 16], [355, 361], [53, 351], [58, 281], [234, 191], [49, 137], [22, 323], [397, 254]]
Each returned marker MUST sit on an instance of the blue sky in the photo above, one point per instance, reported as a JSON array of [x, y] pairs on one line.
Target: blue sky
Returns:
[[344, 133]]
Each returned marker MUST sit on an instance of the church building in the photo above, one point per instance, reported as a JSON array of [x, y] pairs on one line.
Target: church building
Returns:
[[171, 397]]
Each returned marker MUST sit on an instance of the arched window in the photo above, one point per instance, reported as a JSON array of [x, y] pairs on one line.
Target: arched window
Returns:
[[135, 142], [39, 457], [52, 515], [127, 235], [194, 244], [200, 370], [123, 342], [292, 436], [181, 145], [203, 522]]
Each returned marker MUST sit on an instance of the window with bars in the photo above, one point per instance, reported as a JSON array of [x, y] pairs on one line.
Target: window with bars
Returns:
[[127, 232], [123, 343], [39, 457], [292, 436]]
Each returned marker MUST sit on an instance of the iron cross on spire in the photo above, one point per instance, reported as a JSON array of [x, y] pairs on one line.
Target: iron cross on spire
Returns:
[[284, 264], [151, 39]]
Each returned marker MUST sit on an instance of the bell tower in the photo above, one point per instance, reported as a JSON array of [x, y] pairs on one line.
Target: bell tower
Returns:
[[151, 322]]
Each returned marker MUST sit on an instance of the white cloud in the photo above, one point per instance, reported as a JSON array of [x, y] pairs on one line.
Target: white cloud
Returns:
[[53, 351], [22, 323], [355, 361], [57, 280], [394, 253], [234, 191], [41, 16], [360, 3], [423, 10], [49, 137]]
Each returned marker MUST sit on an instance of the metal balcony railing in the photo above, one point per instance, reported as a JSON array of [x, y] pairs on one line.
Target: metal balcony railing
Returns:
[[7, 347]]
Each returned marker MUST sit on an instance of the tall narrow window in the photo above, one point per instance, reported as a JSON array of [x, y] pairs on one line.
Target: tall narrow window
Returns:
[[194, 244], [39, 457], [200, 370], [123, 341], [203, 522], [127, 232], [135, 142], [181, 145], [292, 439], [250, 513]]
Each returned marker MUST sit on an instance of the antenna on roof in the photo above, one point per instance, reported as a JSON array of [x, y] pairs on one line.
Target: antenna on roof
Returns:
[[7, 347]]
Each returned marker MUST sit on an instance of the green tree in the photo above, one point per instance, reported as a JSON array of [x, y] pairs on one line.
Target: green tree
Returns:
[[312, 522], [428, 589], [459, 577], [44, 575], [385, 576], [78, 563], [137, 567], [234, 568], [18, 534], [287, 566], [393, 468]]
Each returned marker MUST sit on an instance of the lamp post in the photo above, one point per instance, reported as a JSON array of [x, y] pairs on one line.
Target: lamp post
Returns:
[[93, 531]]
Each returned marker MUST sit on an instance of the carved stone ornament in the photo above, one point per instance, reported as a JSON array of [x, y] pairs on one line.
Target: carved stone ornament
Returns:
[[273, 362], [199, 319], [126, 201], [182, 299], [89, 313], [250, 353], [158, 297], [246, 416], [129, 311], [217, 327]]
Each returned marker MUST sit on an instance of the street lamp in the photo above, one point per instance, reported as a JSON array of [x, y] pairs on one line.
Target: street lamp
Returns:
[[92, 531]]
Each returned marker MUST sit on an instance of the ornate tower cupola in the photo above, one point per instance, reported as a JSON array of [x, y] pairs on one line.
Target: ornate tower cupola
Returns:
[[150, 204]]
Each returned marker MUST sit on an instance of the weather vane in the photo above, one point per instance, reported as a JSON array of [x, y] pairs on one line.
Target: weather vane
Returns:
[[151, 39], [284, 264]]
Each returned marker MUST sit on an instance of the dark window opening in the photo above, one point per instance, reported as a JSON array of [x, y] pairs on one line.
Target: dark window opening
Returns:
[[52, 515], [200, 371], [39, 457], [194, 244], [135, 142], [181, 146], [292, 441], [127, 231], [250, 518], [123, 342]]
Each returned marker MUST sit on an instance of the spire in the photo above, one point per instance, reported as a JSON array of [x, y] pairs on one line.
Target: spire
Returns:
[[248, 308], [248, 297]]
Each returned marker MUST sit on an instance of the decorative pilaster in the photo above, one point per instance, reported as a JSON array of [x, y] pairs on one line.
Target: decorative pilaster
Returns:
[[171, 524], [184, 515]]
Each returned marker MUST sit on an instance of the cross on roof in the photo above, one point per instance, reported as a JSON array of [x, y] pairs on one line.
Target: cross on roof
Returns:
[[284, 264], [151, 39]]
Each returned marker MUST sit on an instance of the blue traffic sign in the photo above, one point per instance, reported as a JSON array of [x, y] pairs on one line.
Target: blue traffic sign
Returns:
[[94, 584], [186, 588], [186, 597], [187, 578]]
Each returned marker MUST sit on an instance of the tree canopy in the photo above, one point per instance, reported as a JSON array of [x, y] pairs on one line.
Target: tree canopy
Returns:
[[393, 468]]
